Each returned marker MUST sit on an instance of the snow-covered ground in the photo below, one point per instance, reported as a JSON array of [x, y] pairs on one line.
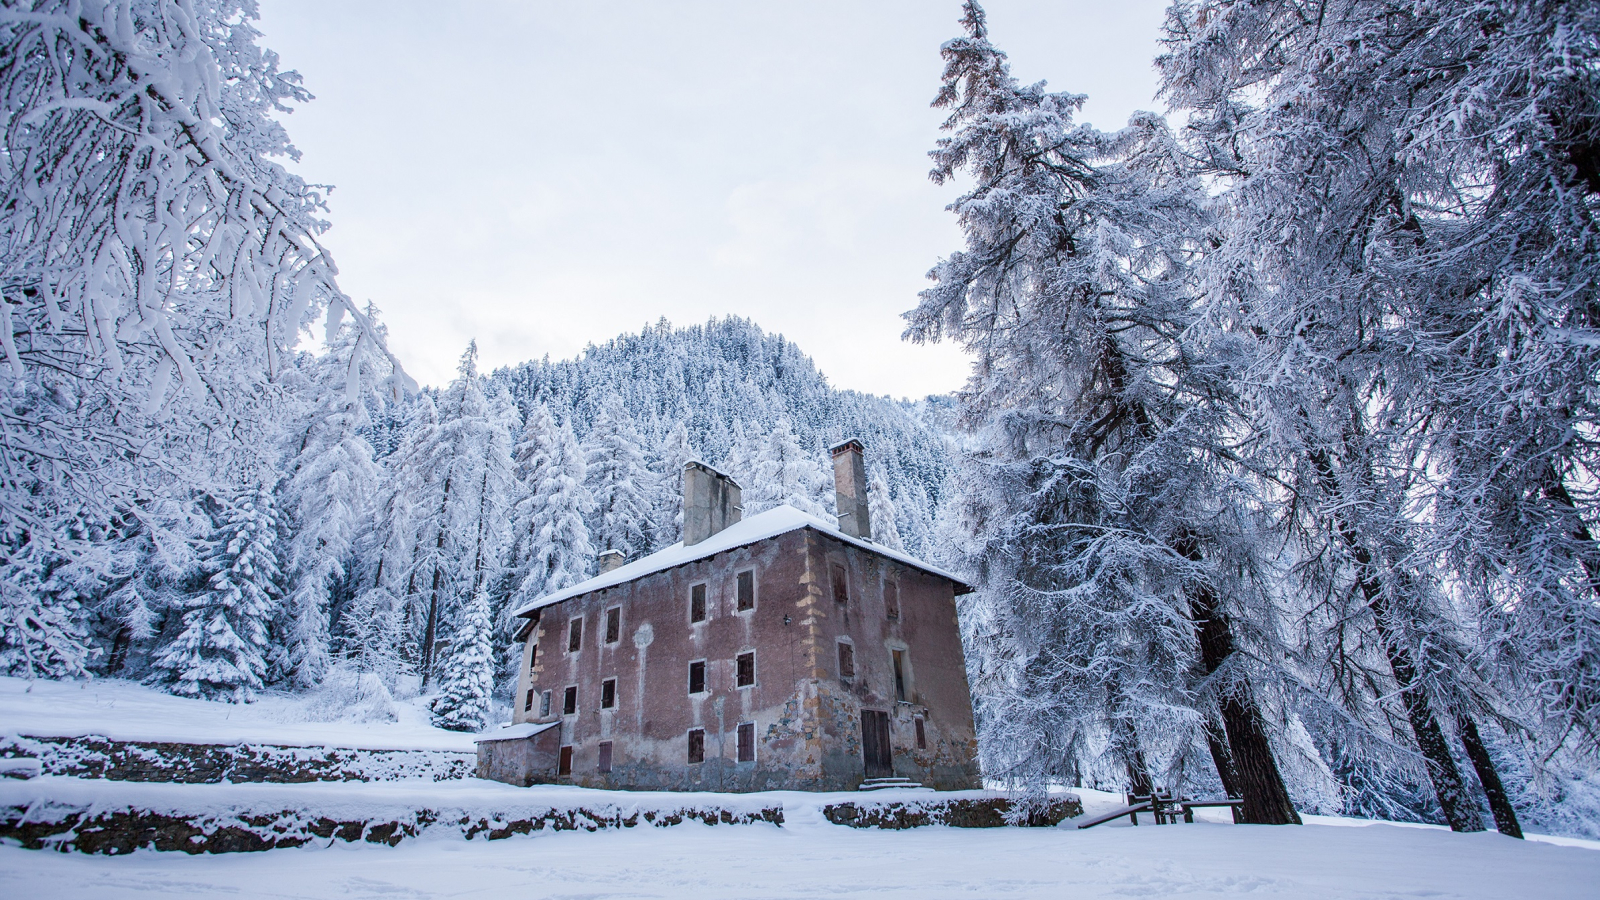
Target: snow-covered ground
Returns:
[[809, 858], [806, 857], [128, 711]]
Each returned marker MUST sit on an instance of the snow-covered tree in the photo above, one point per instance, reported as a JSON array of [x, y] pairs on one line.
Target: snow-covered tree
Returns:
[[881, 510], [561, 554], [330, 480], [466, 679], [676, 452], [783, 473], [220, 652], [1101, 524], [374, 636], [620, 482]]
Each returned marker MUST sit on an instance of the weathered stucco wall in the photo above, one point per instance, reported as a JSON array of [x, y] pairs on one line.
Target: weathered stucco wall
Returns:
[[807, 718]]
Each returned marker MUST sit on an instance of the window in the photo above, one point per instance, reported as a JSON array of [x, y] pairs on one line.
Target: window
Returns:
[[745, 590], [697, 603], [544, 704], [900, 675], [564, 767], [574, 635], [697, 745], [608, 693], [697, 677], [605, 757], [569, 702], [613, 624], [847, 660], [527, 706], [747, 742], [841, 585], [533, 655], [922, 734], [747, 669], [891, 599]]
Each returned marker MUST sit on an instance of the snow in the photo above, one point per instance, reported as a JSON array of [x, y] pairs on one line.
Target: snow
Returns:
[[514, 732], [128, 711], [759, 527], [808, 857]]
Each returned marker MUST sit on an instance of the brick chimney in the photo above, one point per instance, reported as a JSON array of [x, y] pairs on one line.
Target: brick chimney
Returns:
[[850, 486], [711, 502], [610, 560]]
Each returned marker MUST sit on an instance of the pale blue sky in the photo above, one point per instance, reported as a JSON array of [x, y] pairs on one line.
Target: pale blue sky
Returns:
[[542, 175]]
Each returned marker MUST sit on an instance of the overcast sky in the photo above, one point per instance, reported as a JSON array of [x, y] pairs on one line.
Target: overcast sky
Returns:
[[542, 175]]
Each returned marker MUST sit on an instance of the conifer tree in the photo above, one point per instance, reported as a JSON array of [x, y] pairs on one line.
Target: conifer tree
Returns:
[[676, 452], [881, 510], [619, 481], [1103, 525], [782, 473], [466, 680], [562, 554], [219, 654]]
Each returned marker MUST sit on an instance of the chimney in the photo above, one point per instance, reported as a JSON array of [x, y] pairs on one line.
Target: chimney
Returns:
[[850, 486], [610, 560], [711, 502]]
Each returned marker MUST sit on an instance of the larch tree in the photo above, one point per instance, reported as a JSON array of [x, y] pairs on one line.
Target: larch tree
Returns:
[[782, 473], [1103, 527]]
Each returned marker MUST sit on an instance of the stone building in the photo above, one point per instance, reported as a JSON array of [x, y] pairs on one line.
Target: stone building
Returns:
[[774, 652]]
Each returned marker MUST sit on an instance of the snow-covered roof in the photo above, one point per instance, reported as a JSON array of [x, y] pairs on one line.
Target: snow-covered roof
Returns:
[[513, 732], [759, 527]]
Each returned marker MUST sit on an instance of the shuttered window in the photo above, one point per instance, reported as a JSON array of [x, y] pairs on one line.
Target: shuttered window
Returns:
[[697, 745], [745, 590], [747, 742], [847, 660]]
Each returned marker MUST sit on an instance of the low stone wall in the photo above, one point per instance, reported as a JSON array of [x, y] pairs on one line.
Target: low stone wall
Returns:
[[990, 812], [93, 756], [114, 832]]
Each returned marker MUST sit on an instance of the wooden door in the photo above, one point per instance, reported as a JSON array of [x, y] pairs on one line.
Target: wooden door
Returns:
[[875, 743]]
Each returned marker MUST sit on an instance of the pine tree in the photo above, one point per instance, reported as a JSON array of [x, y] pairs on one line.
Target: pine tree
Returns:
[[219, 654], [619, 481], [561, 553], [781, 473], [676, 452], [466, 680], [881, 510]]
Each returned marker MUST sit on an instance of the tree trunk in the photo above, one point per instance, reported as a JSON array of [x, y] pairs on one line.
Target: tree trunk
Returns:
[[1459, 810], [1254, 772], [1505, 816], [1448, 786], [1216, 742]]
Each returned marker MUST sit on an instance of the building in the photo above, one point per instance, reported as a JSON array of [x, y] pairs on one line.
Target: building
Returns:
[[777, 652]]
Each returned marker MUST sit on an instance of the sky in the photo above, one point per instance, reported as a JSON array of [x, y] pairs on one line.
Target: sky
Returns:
[[540, 176]]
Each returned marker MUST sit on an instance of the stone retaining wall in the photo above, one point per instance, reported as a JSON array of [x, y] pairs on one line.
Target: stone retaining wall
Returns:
[[93, 756], [993, 812], [114, 832]]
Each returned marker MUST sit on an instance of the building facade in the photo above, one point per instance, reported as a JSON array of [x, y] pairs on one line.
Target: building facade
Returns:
[[772, 653]]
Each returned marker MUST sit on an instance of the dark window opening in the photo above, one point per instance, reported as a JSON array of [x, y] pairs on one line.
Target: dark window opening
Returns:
[[697, 603], [747, 669], [527, 706], [747, 742], [697, 746], [605, 757], [569, 702], [697, 678], [900, 675], [745, 588], [847, 660], [533, 655], [574, 635], [841, 585], [608, 693], [613, 624], [544, 704], [891, 599], [565, 766], [922, 735]]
